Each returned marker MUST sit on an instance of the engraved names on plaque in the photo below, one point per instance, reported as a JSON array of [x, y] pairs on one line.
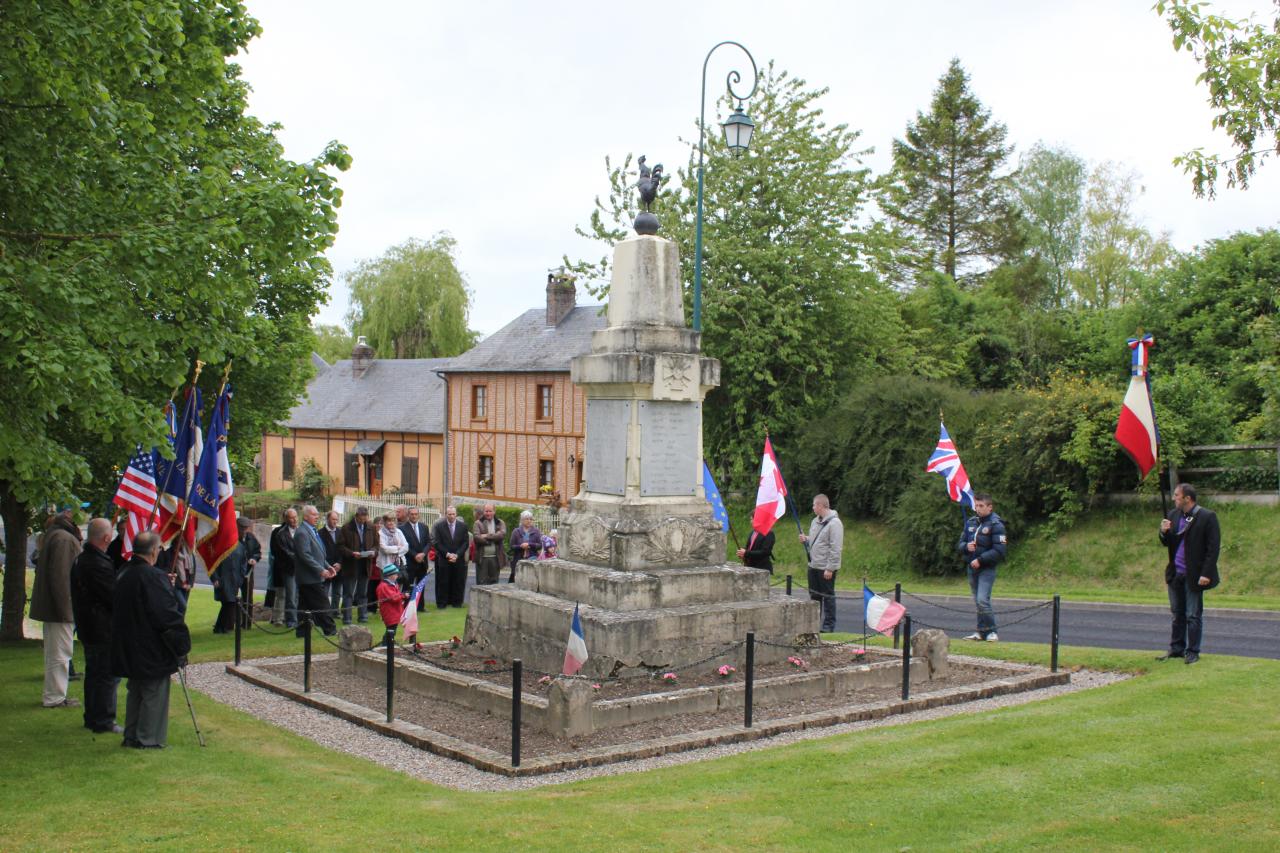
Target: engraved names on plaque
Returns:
[[606, 464], [669, 441]]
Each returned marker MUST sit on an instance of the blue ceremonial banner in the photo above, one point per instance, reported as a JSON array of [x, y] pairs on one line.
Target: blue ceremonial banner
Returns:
[[713, 498]]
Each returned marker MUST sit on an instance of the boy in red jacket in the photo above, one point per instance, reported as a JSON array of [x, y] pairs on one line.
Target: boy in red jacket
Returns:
[[390, 599]]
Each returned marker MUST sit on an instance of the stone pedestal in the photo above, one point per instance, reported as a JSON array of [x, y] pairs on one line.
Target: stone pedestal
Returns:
[[642, 552]]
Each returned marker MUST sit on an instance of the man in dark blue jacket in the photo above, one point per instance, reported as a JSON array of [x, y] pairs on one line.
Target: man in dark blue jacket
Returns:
[[983, 545], [1192, 536]]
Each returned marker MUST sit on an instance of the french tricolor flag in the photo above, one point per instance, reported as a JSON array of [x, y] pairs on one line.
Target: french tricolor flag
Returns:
[[1136, 430], [576, 655], [882, 613]]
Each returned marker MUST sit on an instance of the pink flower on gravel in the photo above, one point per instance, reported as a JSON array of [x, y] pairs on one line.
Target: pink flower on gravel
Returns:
[[546, 679], [798, 663], [595, 687], [670, 676], [726, 671]]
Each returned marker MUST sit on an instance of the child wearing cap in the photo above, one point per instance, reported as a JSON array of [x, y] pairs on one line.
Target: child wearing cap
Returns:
[[390, 599]]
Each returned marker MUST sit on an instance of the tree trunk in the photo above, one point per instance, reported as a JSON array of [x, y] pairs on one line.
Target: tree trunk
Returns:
[[15, 516]]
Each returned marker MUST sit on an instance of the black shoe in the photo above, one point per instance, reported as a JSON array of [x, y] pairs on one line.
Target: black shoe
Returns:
[[1192, 657], [113, 729], [149, 746], [130, 743], [1168, 655]]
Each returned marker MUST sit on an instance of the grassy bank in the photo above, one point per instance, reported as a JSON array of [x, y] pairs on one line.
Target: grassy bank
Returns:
[[1103, 769], [1109, 555]]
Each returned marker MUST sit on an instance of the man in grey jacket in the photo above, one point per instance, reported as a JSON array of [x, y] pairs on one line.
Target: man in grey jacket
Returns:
[[311, 571], [824, 543]]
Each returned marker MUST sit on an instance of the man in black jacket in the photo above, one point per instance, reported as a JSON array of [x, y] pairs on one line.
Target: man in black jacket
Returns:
[[418, 535], [452, 540], [1192, 537], [93, 581], [148, 641], [285, 611]]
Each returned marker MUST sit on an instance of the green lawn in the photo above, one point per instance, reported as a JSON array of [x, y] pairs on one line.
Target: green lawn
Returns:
[[1182, 758], [1109, 555]]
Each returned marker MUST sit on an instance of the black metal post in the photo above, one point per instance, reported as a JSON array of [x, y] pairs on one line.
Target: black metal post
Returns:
[[239, 622], [751, 678], [517, 673], [391, 674], [788, 584], [897, 629], [306, 653], [906, 658], [1053, 654]]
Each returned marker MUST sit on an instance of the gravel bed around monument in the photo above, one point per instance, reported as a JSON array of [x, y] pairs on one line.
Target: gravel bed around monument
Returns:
[[345, 737], [494, 733]]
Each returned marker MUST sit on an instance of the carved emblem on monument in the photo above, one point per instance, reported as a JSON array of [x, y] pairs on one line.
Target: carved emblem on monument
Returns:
[[676, 374], [676, 540], [590, 539]]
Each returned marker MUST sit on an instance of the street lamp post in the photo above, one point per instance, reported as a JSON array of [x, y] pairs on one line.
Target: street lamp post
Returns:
[[737, 135]]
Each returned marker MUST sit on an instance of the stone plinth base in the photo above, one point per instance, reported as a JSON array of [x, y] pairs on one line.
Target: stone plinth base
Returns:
[[635, 622]]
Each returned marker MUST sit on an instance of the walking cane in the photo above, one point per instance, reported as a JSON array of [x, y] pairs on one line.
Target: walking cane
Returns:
[[182, 678]]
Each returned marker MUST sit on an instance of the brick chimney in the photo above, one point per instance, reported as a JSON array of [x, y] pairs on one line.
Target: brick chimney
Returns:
[[561, 295], [361, 357]]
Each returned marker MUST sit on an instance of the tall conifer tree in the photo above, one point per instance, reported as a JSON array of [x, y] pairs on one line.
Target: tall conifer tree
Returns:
[[943, 193]]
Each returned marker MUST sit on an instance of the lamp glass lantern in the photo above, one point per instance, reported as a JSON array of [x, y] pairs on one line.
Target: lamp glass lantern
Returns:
[[738, 128]]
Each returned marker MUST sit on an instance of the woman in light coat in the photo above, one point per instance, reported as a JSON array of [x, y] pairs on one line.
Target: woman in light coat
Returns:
[[392, 546]]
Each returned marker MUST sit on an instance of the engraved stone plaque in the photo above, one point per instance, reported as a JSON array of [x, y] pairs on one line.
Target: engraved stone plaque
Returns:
[[669, 441], [605, 467]]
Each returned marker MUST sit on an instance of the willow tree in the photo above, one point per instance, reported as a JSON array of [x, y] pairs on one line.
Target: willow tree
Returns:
[[145, 221], [412, 301]]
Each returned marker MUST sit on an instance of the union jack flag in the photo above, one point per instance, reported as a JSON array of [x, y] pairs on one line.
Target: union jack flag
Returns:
[[946, 461], [137, 497]]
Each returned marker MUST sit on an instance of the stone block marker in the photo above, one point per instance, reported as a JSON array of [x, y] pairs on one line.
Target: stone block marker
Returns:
[[933, 646]]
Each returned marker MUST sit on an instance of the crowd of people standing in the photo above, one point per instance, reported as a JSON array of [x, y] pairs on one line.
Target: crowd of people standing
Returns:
[[359, 552]]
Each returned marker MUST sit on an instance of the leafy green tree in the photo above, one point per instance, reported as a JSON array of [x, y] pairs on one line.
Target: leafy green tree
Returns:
[[1049, 187], [412, 302], [789, 306], [1117, 253], [1241, 62], [1223, 303], [944, 192], [332, 343], [145, 221]]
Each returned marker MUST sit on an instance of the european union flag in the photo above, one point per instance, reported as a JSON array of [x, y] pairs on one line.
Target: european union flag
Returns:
[[713, 498]]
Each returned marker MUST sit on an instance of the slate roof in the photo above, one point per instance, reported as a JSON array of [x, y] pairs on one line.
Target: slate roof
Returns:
[[394, 395], [528, 345]]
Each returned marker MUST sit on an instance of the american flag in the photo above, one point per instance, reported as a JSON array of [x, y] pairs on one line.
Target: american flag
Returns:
[[946, 461], [136, 496]]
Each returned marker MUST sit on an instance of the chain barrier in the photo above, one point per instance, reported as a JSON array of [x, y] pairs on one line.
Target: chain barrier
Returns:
[[1003, 624]]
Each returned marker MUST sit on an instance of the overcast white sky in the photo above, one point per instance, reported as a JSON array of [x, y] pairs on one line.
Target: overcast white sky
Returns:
[[491, 120]]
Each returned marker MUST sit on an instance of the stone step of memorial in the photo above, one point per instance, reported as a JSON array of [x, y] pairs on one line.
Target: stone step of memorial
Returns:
[[506, 622], [606, 588]]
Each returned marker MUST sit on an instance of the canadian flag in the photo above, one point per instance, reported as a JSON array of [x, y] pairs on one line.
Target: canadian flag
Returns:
[[771, 496]]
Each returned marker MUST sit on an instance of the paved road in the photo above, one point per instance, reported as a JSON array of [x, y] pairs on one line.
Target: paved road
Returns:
[[1248, 633]]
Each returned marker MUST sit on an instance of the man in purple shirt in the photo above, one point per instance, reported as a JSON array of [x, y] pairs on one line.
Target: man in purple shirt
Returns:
[[1192, 537]]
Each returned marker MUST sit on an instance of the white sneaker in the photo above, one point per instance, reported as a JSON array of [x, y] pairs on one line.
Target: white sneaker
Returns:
[[974, 636], [992, 638]]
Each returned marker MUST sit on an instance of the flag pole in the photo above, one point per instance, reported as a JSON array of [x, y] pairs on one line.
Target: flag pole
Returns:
[[155, 507], [1164, 495], [795, 514], [186, 503]]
